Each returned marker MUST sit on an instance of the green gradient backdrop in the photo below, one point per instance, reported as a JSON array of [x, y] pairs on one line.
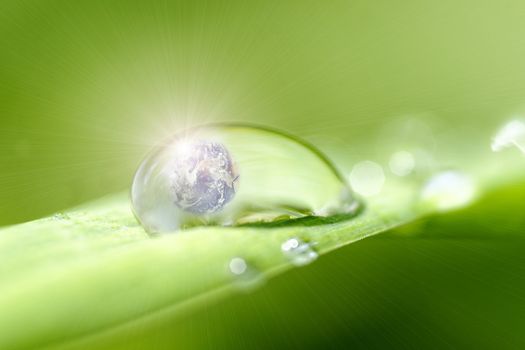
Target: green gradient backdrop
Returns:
[[86, 87]]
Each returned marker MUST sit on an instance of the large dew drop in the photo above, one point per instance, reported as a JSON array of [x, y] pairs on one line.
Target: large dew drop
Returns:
[[225, 174]]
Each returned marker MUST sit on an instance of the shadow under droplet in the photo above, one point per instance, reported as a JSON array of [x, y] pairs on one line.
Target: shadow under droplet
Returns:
[[306, 221]]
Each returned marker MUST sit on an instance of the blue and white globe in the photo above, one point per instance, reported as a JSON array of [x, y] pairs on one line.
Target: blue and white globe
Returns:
[[203, 177]]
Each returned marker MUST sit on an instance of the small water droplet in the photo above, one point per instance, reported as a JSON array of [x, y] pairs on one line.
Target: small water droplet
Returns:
[[238, 266], [300, 253], [60, 216], [246, 276], [367, 178], [402, 163], [511, 134], [448, 190]]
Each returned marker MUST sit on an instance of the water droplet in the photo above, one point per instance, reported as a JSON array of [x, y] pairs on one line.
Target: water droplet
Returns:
[[448, 190], [246, 276], [402, 163], [238, 266], [299, 252], [511, 134], [367, 178], [226, 174], [411, 143], [60, 216]]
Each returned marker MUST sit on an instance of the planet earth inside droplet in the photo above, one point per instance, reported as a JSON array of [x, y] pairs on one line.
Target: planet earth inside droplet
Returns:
[[235, 174], [203, 178]]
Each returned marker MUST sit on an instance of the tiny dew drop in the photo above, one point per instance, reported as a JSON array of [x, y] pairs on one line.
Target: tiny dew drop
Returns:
[[448, 190], [231, 174], [245, 275], [299, 252], [367, 178], [238, 266], [60, 216]]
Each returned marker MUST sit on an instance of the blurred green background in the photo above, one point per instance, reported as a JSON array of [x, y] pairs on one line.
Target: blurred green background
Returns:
[[88, 87]]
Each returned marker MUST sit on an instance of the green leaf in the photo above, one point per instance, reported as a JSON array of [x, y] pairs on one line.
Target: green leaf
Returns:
[[97, 261]]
